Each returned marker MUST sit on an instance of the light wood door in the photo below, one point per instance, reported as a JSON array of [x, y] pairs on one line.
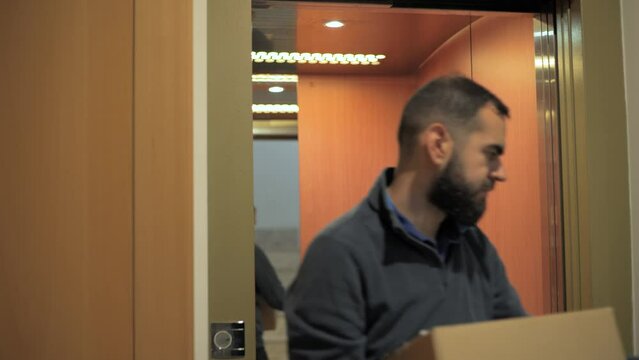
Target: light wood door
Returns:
[[66, 224], [96, 219]]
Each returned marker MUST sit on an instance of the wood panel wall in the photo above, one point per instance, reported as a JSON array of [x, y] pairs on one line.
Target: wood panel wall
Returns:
[[502, 60], [96, 154], [347, 136], [453, 57], [66, 224], [513, 220]]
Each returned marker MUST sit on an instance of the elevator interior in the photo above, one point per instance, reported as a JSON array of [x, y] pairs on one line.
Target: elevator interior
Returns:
[[340, 88]]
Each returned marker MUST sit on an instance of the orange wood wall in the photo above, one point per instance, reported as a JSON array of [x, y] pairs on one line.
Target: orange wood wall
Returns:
[[66, 224], [503, 61], [513, 220], [347, 130], [453, 57]]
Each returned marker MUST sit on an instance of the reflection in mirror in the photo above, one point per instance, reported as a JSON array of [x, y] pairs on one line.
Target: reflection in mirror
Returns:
[[329, 85], [274, 76], [275, 159]]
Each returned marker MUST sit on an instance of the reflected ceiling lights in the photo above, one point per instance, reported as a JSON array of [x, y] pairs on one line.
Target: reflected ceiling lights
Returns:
[[334, 24], [316, 58], [274, 78], [543, 33], [276, 89], [546, 62], [275, 108]]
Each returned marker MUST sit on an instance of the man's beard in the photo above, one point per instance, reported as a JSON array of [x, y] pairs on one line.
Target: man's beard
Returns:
[[457, 198]]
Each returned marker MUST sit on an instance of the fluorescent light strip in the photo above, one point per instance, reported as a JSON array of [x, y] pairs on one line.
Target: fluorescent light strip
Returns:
[[275, 108], [275, 78], [316, 58]]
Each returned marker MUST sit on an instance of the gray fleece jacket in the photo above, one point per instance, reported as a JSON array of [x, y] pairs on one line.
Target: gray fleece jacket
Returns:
[[366, 286]]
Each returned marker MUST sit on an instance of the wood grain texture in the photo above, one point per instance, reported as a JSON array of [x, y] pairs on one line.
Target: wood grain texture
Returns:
[[503, 61], [347, 135], [66, 161], [163, 180]]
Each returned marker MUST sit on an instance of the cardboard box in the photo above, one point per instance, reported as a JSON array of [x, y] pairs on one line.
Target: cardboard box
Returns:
[[584, 335]]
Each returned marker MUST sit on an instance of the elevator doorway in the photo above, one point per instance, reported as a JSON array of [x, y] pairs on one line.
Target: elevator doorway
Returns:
[[351, 81]]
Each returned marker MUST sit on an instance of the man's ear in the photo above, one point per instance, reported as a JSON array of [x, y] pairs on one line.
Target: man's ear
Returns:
[[437, 140]]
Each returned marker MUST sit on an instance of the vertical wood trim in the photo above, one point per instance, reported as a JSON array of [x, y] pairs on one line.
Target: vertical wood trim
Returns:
[[200, 193], [163, 179], [629, 11]]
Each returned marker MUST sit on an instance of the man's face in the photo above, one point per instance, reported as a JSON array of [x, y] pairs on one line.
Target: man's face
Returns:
[[474, 167]]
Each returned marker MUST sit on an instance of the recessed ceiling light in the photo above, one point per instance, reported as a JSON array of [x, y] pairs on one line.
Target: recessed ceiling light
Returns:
[[276, 89], [334, 24]]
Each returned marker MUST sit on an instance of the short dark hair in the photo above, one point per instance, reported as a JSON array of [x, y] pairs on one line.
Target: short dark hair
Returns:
[[453, 100]]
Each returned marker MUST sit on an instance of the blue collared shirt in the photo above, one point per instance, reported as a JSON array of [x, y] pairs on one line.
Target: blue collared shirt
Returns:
[[442, 243]]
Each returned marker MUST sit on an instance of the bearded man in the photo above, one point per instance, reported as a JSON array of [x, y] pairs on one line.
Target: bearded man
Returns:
[[410, 256]]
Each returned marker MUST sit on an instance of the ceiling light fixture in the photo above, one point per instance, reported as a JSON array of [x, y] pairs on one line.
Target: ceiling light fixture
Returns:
[[275, 108], [276, 89], [334, 24], [281, 78], [316, 58]]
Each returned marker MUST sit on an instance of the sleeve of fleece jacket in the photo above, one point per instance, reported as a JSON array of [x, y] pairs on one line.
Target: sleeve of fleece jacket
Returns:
[[325, 308], [267, 284], [506, 303]]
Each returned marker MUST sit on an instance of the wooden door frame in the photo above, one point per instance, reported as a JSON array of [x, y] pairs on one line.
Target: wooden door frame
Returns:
[[229, 144]]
